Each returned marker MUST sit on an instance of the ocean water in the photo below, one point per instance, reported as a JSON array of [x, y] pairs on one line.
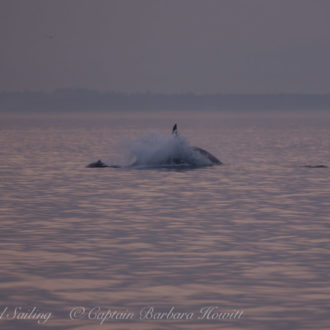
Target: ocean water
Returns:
[[113, 248]]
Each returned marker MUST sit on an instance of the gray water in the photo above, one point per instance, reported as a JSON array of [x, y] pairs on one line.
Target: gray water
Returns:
[[249, 236]]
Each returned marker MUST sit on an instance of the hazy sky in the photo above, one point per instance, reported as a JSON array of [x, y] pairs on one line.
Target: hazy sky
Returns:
[[230, 46]]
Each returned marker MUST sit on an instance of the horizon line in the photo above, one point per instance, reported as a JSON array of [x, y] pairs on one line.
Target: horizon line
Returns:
[[73, 89]]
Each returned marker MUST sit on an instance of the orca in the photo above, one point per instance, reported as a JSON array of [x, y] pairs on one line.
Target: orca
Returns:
[[98, 163], [214, 160], [198, 157], [315, 166], [191, 157], [175, 129]]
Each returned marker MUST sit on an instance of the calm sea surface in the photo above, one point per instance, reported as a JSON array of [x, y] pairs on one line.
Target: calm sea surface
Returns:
[[251, 236]]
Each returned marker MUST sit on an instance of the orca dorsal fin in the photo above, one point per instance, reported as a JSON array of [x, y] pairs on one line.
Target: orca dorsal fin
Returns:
[[175, 129]]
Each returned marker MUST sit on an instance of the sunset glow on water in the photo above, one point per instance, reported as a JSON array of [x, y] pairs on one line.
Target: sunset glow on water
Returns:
[[250, 236]]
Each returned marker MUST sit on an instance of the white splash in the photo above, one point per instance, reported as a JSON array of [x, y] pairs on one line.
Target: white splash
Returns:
[[153, 149]]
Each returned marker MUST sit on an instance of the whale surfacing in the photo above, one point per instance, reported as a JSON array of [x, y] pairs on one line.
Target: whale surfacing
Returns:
[[315, 166], [175, 151], [98, 163], [154, 150], [208, 155], [214, 160]]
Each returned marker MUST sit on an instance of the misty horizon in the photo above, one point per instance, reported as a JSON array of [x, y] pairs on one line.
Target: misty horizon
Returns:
[[147, 91], [80, 99], [203, 47]]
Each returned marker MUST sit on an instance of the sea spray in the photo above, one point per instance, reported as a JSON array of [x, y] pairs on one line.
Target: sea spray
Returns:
[[153, 149]]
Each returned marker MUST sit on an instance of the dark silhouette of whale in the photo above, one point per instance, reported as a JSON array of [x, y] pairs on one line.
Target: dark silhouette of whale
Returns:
[[175, 129], [214, 160], [98, 163], [184, 159], [315, 166], [195, 158]]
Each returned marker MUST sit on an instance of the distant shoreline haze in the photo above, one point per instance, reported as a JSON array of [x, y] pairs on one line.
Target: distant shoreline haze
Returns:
[[68, 99]]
